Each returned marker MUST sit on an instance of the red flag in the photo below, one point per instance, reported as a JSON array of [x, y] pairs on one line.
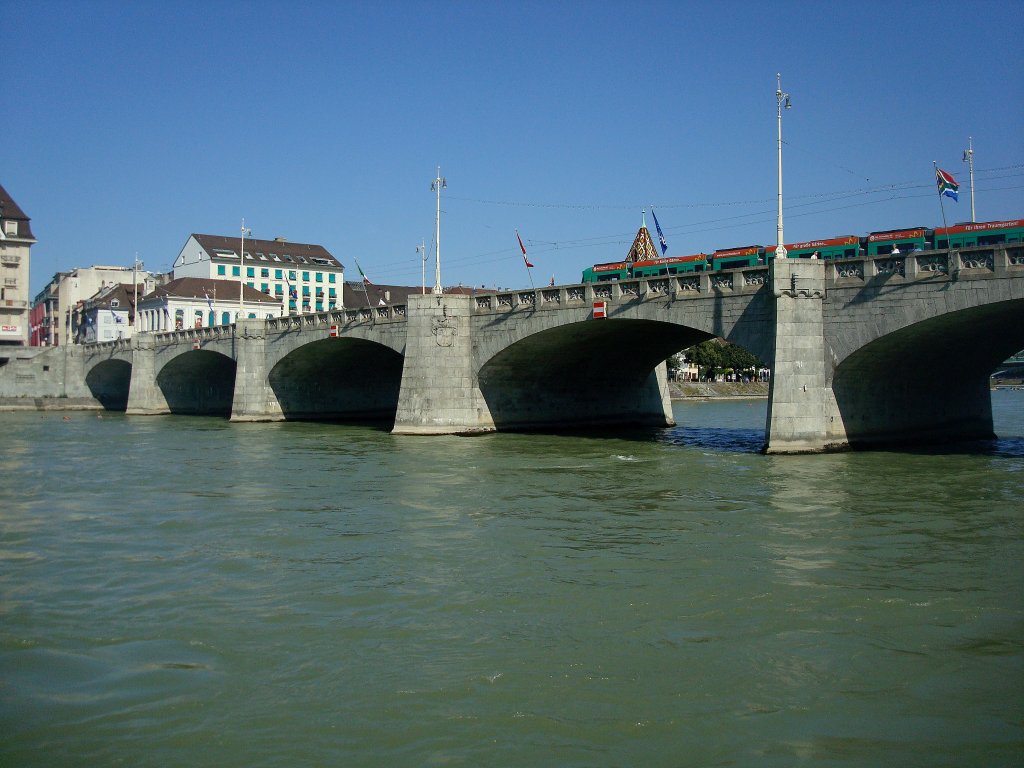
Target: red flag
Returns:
[[523, 249]]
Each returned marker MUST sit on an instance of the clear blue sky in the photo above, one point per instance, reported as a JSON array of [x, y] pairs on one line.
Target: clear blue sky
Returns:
[[129, 126]]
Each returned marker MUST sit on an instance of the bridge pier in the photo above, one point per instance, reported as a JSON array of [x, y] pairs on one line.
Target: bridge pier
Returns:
[[440, 394], [145, 398], [802, 413], [254, 399]]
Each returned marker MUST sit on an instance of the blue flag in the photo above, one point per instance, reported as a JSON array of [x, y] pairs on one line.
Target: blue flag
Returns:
[[661, 235]]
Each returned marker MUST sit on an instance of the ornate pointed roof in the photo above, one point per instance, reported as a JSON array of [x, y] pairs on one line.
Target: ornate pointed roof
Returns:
[[642, 248]]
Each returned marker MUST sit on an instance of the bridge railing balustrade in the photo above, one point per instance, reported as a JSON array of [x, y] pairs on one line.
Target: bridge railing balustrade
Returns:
[[977, 258]]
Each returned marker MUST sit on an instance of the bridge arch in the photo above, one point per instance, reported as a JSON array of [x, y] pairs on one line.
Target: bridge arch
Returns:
[[109, 381], [198, 381], [926, 379], [583, 373], [347, 378]]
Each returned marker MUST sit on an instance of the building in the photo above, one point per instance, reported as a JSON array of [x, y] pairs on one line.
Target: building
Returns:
[[57, 308], [108, 315], [201, 302], [301, 276], [15, 243], [366, 294]]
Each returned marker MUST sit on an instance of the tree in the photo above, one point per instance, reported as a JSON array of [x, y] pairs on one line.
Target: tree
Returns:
[[707, 356], [714, 355]]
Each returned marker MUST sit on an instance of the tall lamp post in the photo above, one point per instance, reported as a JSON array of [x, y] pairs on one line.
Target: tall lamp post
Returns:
[[241, 273], [422, 250], [782, 98], [969, 159], [436, 186], [135, 281]]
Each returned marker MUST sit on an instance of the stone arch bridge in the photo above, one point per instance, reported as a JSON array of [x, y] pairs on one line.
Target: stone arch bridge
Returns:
[[863, 351]]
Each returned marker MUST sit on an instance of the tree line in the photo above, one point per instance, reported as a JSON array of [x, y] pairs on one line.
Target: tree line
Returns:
[[718, 357]]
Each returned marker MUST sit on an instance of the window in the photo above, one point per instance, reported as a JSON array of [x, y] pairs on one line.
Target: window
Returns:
[[11, 228], [213, 318], [114, 303], [330, 278], [225, 318], [250, 272], [221, 269], [264, 273], [274, 257], [305, 276], [265, 287], [319, 277], [319, 306], [330, 293], [291, 274], [277, 274], [305, 290], [278, 290], [235, 272]]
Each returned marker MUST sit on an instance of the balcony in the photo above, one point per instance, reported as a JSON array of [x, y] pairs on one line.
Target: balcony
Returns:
[[7, 257]]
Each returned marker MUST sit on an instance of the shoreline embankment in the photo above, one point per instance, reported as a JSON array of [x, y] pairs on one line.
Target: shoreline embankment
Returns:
[[717, 390]]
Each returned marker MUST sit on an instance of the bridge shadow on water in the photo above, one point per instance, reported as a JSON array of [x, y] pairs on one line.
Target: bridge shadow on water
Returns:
[[999, 447], [718, 439]]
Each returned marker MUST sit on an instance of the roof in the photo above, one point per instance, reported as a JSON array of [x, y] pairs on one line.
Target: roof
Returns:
[[300, 254], [209, 288], [11, 210], [124, 293], [395, 294], [642, 248]]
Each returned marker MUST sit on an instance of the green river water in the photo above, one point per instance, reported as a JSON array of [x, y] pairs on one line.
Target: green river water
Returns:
[[180, 591]]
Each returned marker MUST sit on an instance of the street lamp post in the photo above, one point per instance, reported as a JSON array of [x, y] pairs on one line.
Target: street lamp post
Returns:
[[422, 250], [436, 186], [780, 250], [969, 159], [135, 282], [241, 273]]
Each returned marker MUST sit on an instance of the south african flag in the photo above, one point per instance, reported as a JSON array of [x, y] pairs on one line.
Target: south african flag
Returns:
[[947, 184]]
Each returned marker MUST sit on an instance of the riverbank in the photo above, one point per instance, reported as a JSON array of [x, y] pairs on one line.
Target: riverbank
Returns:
[[717, 390], [49, 404]]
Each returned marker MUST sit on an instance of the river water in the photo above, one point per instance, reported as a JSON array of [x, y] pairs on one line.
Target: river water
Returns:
[[186, 591]]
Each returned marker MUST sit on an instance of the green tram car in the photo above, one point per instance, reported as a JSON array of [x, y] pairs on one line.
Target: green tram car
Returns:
[[894, 241], [985, 233]]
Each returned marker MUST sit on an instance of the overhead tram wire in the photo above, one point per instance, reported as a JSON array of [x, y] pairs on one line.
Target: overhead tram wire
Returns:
[[707, 225], [725, 203]]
